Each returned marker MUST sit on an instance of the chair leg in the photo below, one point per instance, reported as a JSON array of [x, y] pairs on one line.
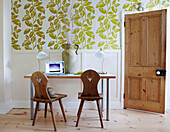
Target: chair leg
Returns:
[[80, 107], [45, 115], [79, 112], [99, 110], [35, 113], [53, 117], [62, 109]]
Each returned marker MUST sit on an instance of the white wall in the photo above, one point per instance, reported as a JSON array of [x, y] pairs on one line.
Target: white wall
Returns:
[[167, 90], [25, 63], [7, 49], [1, 54], [5, 57]]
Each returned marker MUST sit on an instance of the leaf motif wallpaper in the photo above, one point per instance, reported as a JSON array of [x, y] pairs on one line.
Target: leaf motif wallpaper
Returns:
[[157, 4], [129, 5], [16, 24], [92, 24], [83, 16], [59, 22], [33, 19], [109, 24]]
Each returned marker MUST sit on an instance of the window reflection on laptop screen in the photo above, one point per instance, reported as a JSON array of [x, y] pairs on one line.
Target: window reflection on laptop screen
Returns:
[[54, 67]]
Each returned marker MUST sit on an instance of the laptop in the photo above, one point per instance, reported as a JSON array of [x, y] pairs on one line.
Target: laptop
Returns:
[[54, 67]]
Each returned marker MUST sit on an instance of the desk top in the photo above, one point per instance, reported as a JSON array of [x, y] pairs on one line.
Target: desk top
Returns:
[[73, 76]]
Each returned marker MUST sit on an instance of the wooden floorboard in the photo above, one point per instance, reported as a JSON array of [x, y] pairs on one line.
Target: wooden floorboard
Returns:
[[18, 120]]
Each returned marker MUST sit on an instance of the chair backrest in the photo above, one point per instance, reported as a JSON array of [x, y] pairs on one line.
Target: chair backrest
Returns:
[[90, 80], [40, 84]]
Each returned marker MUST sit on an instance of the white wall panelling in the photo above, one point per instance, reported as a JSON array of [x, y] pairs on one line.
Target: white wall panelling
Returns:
[[6, 106], [26, 63], [112, 66]]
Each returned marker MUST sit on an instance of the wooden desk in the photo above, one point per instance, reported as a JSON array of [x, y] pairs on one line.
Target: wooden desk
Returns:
[[72, 76]]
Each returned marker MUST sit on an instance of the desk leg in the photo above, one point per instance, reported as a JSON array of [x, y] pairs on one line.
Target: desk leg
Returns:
[[32, 107], [102, 93], [107, 107], [39, 107], [39, 103]]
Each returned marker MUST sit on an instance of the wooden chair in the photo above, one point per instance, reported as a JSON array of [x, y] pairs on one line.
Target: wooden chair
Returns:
[[90, 79], [41, 96]]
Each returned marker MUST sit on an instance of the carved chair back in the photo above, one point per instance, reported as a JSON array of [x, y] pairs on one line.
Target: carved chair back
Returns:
[[40, 84], [90, 79]]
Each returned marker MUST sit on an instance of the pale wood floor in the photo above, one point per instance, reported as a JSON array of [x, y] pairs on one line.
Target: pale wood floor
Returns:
[[18, 120]]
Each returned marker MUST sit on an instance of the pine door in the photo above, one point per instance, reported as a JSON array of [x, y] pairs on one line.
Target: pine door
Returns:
[[145, 52]]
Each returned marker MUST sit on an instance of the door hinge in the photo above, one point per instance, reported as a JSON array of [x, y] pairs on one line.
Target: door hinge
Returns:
[[124, 24], [124, 96]]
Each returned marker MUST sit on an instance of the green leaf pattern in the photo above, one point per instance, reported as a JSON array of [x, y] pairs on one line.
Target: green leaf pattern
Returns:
[[33, 19], [92, 24], [109, 24], [84, 14], [157, 4], [59, 23], [16, 24], [129, 5]]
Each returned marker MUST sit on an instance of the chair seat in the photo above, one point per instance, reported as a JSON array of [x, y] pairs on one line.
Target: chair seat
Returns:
[[90, 98], [58, 96]]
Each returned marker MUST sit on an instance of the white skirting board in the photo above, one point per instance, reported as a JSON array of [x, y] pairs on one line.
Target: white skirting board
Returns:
[[9, 105], [68, 105]]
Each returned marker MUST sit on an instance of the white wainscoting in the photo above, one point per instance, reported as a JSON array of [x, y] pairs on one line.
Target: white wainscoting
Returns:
[[25, 63], [6, 107]]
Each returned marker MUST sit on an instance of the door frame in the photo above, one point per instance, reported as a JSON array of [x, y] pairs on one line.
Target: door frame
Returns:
[[122, 41]]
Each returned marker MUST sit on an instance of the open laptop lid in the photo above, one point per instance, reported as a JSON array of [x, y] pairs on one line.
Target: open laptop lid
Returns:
[[54, 67]]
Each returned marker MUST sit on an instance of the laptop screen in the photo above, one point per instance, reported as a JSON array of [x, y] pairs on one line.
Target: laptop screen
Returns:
[[54, 67]]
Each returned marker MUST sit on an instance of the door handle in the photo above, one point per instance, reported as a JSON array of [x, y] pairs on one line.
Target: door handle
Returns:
[[160, 72]]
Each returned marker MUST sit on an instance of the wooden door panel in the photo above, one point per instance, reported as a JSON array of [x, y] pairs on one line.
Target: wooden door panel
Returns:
[[135, 42], [135, 86], [145, 52], [154, 41], [153, 86], [144, 41]]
